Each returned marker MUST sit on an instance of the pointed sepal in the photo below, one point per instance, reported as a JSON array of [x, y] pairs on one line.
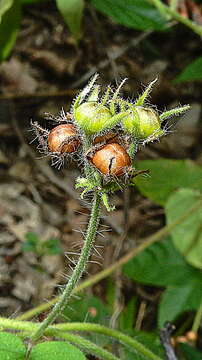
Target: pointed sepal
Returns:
[[141, 99], [174, 112]]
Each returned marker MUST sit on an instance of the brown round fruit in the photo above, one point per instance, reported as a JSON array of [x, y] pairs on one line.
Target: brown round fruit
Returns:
[[111, 159], [60, 139]]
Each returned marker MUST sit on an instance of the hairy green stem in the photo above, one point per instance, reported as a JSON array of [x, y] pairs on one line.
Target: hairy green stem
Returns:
[[77, 273], [118, 335], [87, 143], [145, 243], [86, 327], [86, 345]]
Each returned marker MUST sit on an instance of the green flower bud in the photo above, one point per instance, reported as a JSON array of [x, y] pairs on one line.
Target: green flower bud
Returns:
[[92, 117], [143, 123]]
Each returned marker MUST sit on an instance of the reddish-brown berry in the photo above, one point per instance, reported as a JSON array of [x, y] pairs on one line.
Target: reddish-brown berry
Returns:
[[63, 139], [111, 159]]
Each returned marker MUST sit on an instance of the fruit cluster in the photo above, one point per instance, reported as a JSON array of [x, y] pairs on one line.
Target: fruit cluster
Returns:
[[104, 131]]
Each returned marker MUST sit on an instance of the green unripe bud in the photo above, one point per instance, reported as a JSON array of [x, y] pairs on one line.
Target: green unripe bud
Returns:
[[143, 123], [92, 117]]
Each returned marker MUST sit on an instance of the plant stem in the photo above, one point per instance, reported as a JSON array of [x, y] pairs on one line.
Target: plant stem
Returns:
[[77, 273], [83, 343], [87, 327], [160, 6], [121, 337], [197, 319], [86, 345], [167, 10], [87, 143], [145, 243]]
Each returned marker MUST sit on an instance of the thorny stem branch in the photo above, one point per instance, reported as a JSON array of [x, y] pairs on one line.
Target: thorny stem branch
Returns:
[[77, 273], [86, 327], [133, 252]]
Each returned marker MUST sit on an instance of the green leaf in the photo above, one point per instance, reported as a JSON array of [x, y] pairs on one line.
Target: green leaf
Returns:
[[11, 347], [52, 246], [189, 352], [191, 72], [72, 12], [9, 29], [31, 242], [187, 236], [161, 265], [136, 14], [32, 237], [166, 176], [176, 300], [52, 350], [4, 6]]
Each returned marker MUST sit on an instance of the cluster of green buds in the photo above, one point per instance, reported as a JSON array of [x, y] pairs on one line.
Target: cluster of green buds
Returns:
[[105, 132], [96, 115]]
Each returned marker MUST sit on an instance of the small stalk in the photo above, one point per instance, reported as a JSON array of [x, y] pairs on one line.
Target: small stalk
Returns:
[[86, 146], [170, 13], [160, 6], [197, 319], [77, 273]]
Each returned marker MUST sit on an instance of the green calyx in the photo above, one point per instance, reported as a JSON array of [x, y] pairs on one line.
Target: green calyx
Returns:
[[92, 117], [94, 185], [143, 123]]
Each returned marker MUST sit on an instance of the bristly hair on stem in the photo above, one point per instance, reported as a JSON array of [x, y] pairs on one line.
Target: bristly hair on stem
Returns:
[[77, 273]]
